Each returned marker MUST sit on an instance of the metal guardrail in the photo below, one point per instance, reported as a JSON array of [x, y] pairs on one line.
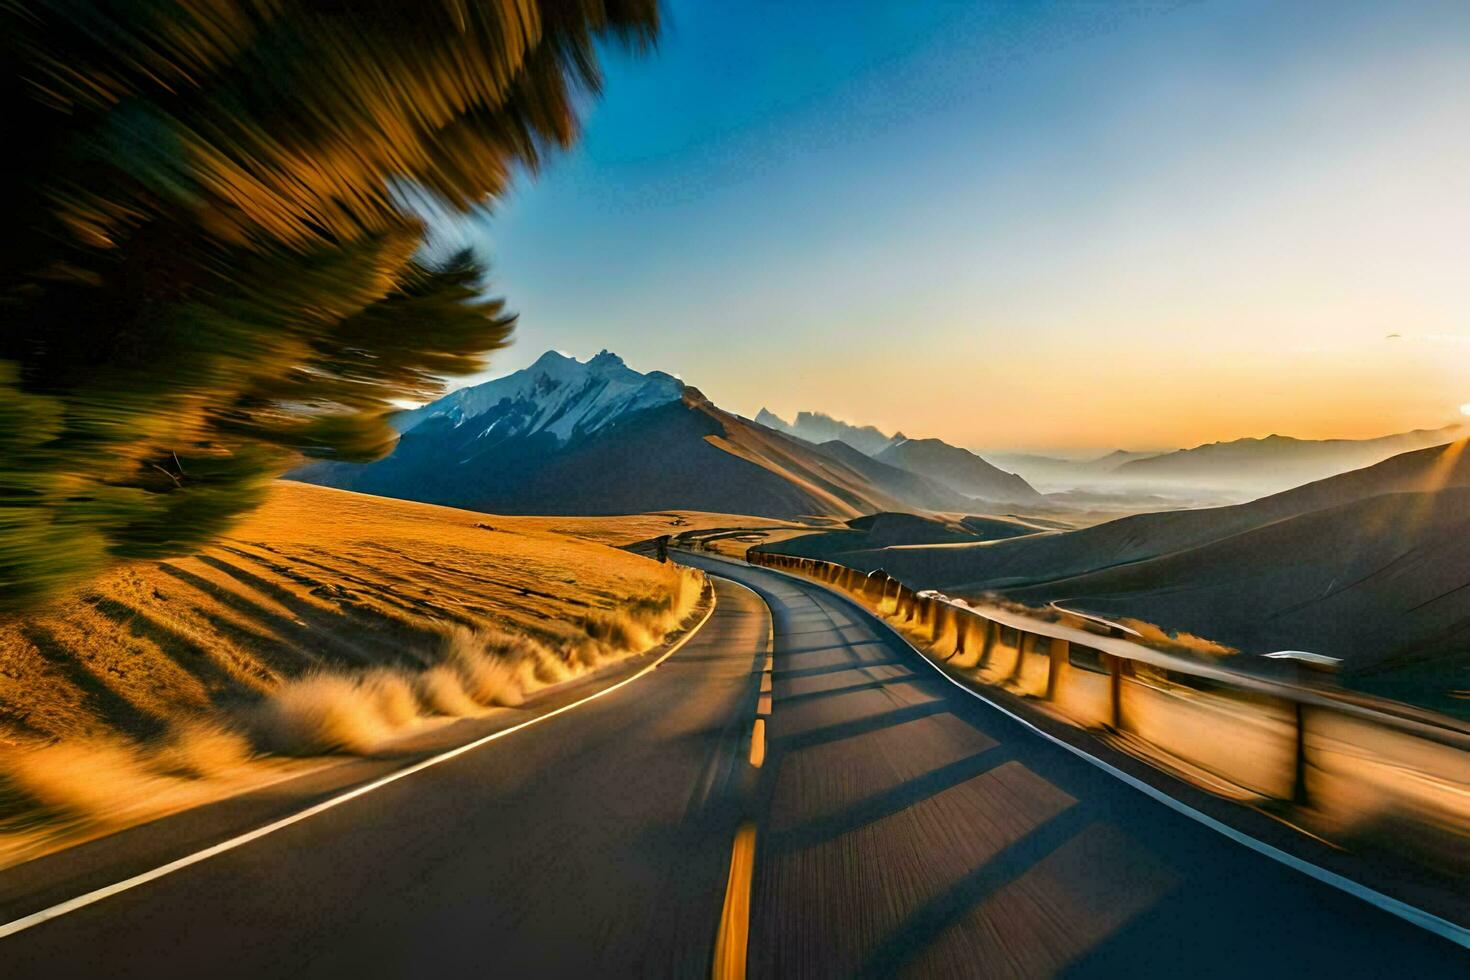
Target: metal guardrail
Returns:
[[1294, 744]]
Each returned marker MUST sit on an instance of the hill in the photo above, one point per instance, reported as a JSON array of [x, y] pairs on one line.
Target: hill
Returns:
[[1378, 581], [862, 541], [167, 684], [1369, 566], [1050, 556], [902, 484], [960, 470], [314, 578]]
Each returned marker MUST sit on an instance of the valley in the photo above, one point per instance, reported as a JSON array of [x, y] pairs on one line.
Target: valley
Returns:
[[1359, 565]]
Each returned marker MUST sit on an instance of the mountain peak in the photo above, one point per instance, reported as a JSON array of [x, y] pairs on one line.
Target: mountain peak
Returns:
[[557, 395], [606, 359], [819, 427], [771, 420]]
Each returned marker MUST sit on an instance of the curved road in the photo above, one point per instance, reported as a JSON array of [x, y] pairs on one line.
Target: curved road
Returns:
[[901, 826]]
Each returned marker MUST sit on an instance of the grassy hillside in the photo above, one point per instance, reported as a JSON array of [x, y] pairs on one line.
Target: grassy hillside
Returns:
[[632, 529], [315, 578], [327, 622], [1391, 586]]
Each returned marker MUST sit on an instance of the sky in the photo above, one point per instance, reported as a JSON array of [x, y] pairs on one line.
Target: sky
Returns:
[[1062, 226]]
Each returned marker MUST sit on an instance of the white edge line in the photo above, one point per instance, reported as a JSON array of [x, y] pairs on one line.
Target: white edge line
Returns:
[[107, 891], [1460, 935]]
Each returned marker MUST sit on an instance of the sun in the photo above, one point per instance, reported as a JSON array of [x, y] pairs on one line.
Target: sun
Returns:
[[1465, 409]]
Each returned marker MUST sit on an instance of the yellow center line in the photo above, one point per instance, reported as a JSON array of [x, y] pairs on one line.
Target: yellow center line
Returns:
[[763, 707], [758, 743], [765, 683], [734, 932], [770, 662]]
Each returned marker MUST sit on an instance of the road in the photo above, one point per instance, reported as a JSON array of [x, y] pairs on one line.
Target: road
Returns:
[[900, 826]]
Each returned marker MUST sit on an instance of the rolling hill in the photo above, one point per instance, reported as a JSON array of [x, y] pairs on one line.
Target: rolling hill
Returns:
[[1369, 566], [900, 483], [154, 687], [1381, 580], [960, 470], [1052, 556]]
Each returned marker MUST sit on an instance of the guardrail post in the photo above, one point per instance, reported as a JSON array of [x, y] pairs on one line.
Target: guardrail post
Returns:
[[962, 623], [1023, 636], [1115, 691], [1299, 794], [883, 595], [879, 578], [1056, 668], [992, 630]]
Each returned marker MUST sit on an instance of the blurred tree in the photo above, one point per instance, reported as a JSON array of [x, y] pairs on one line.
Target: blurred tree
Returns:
[[210, 264]]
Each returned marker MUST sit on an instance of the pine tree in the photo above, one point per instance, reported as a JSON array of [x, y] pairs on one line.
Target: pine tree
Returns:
[[212, 263]]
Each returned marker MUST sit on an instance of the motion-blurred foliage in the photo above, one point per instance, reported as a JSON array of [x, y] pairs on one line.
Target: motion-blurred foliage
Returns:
[[210, 262]]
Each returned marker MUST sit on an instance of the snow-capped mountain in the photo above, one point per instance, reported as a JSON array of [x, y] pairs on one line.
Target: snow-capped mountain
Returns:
[[819, 427], [558, 395], [569, 437]]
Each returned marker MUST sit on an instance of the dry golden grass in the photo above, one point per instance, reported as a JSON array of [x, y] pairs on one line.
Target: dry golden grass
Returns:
[[629, 529], [327, 622], [317, 579]]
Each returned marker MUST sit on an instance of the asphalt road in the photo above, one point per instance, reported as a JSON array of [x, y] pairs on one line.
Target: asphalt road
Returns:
[[596, 843], [907, 828], [902, 826]]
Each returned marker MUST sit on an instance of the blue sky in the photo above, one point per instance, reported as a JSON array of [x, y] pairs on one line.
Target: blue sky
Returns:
[[1070, 225]]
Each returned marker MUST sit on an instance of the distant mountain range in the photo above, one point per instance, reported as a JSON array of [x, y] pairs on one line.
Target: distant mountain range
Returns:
[[962, 472], [1054, 473], [569, 437], [1275, 463], [819, 428], [1240, 469]]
